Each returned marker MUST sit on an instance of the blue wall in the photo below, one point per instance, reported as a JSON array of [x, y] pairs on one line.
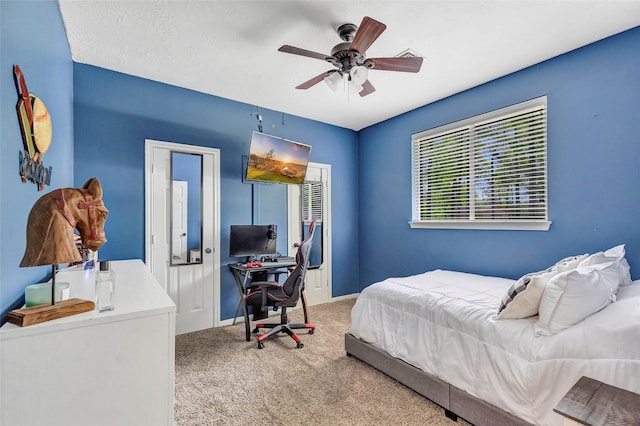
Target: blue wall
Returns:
[[115, 113], [594, 179], [101, 119], [33, 37]]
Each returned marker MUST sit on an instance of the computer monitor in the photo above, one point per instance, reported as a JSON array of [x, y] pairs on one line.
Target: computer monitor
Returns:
[[252, 240]]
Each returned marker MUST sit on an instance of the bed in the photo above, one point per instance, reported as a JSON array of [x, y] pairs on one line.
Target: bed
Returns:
[[439, 334]]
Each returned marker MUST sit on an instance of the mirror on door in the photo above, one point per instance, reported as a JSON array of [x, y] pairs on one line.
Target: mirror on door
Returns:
[[186, 208]]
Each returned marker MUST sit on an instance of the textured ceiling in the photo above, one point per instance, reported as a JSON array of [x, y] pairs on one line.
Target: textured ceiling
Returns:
[[230, 48]]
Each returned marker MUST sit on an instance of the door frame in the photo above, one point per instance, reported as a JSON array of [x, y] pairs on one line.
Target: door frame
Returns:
[[150, 144], [294, 195]]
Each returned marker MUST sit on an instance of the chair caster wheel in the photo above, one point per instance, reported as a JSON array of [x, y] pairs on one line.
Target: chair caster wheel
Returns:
[[255, 330], [260, 345], [300, 345], [311, 331]]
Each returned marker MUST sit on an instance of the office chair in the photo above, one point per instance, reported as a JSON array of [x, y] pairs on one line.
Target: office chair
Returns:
[[263, 294]]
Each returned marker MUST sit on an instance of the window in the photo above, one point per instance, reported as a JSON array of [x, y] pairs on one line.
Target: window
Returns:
[[312, 200], [485, 172]]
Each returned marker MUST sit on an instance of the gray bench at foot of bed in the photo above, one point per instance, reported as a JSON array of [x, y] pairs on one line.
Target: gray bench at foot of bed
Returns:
[[448, 397]]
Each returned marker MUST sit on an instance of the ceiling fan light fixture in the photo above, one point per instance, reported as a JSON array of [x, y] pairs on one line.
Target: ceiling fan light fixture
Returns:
[[334, 80], [359, 74]]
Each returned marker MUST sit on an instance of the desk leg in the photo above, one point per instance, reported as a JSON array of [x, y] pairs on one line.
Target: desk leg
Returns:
[[235, 316], [241, 289], [247, 322], [236, 277]]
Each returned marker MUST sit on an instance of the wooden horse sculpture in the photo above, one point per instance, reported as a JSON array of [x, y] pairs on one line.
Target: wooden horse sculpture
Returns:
[[50, 236]]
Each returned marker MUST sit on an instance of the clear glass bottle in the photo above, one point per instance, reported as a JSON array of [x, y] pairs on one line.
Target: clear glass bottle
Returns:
[[105, 287]]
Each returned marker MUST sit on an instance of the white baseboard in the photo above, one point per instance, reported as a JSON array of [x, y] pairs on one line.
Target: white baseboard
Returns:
[[275, 314], [240, 320], [345, 297]]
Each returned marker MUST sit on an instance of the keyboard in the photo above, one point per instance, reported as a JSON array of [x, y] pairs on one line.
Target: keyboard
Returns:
[[288, 259], [271, 264]]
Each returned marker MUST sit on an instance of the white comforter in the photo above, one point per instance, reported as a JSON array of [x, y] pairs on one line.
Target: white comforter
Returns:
[[442, 322]]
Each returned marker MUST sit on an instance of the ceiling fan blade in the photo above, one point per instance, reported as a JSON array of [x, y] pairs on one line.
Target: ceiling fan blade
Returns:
[[304, 52], [409, 64], [315, 80], [367, 88], [367, 33]]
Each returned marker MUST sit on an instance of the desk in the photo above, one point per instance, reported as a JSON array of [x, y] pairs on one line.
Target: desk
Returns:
[[242, 274], [590, 402]]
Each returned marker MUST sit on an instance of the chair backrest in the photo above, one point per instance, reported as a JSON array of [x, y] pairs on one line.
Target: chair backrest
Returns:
[[294, 284]]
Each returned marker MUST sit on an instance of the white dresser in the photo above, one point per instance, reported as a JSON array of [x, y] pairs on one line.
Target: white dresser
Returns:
[[110, 368]]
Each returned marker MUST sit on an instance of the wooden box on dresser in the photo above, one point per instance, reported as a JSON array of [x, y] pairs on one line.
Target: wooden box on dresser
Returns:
[[109, 368]]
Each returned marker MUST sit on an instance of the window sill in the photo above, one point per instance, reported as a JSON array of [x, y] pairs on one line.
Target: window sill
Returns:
[[511, 225]]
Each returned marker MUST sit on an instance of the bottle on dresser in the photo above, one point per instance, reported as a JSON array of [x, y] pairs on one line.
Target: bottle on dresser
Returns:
[[105, 287]]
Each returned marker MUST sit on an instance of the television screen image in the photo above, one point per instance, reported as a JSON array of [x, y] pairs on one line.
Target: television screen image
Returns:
[[252, 240], [273, 159]]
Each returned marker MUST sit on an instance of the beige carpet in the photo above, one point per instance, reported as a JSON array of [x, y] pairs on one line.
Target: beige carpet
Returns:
[[221, 379]]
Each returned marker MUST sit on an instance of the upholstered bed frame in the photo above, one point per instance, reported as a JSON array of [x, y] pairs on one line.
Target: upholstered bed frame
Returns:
[[456, 402]]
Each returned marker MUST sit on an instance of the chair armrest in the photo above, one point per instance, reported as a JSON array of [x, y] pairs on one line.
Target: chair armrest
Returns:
[[263, 286]]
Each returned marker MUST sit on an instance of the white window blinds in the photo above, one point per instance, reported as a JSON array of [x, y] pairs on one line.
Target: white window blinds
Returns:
[[488, 171], [443, 175], [312, 202]]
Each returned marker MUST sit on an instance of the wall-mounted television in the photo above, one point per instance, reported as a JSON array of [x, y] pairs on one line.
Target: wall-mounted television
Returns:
[[273, 159]]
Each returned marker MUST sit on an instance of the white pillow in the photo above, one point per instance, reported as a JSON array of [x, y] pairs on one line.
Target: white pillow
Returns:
[[615, 254], [523, 297], [570, 262], [572, 296]]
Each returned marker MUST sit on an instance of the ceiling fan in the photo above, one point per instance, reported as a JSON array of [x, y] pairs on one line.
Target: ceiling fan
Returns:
[[350, 59]]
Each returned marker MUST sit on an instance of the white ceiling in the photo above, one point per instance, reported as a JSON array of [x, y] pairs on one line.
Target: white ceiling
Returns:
[[230, 48]]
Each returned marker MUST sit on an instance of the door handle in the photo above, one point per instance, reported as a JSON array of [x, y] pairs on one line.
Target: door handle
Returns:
[[207, 250]]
